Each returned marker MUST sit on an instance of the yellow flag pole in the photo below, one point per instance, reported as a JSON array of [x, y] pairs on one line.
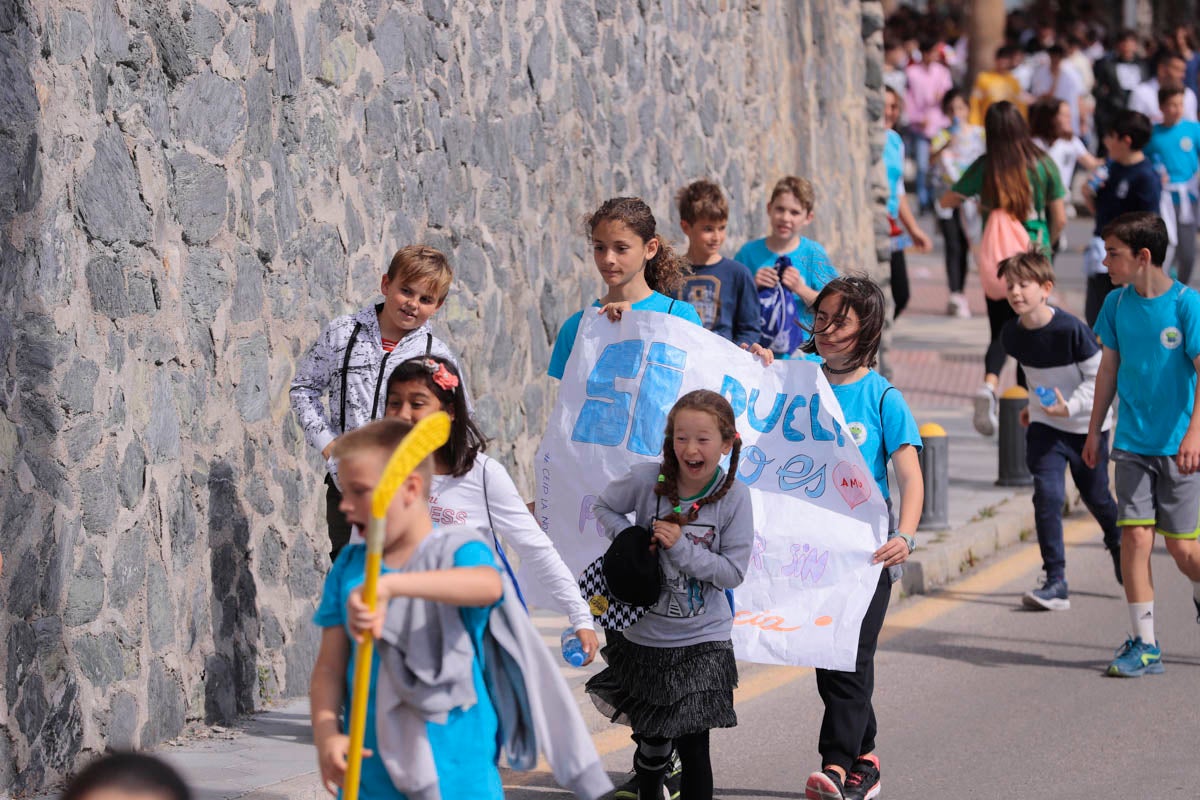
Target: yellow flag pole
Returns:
[[426, 436]]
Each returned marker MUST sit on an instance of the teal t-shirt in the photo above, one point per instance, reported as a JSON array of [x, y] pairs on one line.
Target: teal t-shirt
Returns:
[[465, 748], [878, 420], [810, 260], [1175, 148], [570, 329], [1158, 339]]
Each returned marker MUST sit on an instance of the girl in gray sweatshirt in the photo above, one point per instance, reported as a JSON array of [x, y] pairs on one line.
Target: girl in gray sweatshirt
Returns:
[[671, 675]]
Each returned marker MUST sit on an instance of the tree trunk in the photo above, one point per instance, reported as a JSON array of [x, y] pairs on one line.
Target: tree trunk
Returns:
[[985, 33]]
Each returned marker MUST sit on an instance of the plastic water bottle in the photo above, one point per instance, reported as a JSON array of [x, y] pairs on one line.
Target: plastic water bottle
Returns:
[[1046, 395], [572, 648], [1099, 178]]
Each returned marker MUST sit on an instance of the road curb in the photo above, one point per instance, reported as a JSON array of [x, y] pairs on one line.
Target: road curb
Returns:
[[943, 556]]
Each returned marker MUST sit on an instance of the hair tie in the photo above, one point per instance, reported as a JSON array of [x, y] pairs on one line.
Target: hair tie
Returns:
[[737, 435], [678, 509], [696, 506], [444, 377], [662, 478]]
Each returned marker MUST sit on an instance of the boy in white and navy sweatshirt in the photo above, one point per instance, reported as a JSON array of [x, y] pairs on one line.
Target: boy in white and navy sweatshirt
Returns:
[[1061, 358]]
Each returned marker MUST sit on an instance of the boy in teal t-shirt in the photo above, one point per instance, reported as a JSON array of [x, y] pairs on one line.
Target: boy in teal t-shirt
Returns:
[[807, 268], [1150, 330], [1173, 147]]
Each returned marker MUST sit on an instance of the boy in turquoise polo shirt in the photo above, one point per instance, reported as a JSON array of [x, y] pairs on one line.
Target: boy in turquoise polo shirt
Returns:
[[1173, 144], [1150, 330]]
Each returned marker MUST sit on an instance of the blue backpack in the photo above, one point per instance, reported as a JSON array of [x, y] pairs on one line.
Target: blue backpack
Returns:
[[781, 331]]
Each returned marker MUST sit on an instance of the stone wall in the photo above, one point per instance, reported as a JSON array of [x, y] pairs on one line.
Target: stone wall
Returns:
[[190, 189]]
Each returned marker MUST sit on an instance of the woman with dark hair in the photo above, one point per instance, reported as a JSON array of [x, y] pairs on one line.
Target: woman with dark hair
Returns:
[[1017, 177]]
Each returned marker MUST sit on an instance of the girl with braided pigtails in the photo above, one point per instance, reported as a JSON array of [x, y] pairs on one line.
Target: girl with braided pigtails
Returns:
[[671, 675]]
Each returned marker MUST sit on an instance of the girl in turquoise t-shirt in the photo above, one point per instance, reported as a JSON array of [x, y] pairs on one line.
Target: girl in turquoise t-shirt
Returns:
[[846, 331], [637, 265]]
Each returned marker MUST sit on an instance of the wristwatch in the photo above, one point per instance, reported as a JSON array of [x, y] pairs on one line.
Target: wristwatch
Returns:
[[909, 540]]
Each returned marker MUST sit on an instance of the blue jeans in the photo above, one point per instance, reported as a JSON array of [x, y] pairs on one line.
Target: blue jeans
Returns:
[[1048, 452], [920, 152]]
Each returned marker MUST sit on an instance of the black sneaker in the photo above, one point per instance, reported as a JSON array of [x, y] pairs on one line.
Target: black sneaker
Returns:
[[862, 782], [1115, 552], [824, 785]]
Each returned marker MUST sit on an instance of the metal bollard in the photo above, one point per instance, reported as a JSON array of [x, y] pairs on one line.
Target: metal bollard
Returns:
[[1013, 470], [935, 472]]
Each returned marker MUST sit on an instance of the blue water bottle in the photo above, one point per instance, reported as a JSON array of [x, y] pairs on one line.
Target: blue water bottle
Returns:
[[1046, 395], [572, 648]]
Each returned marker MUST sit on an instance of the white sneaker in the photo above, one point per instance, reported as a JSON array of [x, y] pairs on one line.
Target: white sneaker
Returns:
[[959, 306], [986, 407]]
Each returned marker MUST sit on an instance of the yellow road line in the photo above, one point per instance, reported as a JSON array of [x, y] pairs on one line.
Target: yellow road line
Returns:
[[922, 612]]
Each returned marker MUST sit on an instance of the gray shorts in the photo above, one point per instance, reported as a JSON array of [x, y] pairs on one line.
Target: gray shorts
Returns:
[[1151, 491]]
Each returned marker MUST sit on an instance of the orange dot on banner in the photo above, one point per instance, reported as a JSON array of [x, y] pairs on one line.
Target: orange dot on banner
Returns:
[[821, 622]]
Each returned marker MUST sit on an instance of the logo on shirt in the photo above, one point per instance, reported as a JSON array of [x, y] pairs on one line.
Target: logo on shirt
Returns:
[[1185, 144], [858, 432], [1122, 190], [1171, 337]]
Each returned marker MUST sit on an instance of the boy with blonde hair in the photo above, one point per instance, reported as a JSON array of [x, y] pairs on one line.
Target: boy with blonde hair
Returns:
[[354, 355]]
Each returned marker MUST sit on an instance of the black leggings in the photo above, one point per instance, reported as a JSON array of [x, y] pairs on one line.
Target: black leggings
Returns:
[[900, 291], [956, 251], [696, 780]]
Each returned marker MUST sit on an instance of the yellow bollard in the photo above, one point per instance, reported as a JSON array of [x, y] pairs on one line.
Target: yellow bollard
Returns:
[[935, 473], [1012, 468]]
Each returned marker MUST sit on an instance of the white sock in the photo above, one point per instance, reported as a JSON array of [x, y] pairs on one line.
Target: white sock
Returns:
[[1142, 616]]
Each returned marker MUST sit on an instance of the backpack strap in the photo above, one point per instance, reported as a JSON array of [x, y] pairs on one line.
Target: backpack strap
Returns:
[[428, 344], [496, 541], [345, 374], [671, 307], [882, 430]]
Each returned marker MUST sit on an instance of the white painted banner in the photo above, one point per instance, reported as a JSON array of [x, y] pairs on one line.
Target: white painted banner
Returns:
[[818, 515]]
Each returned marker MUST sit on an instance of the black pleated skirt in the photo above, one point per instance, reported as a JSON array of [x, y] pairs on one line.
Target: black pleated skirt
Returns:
[[667, 692]]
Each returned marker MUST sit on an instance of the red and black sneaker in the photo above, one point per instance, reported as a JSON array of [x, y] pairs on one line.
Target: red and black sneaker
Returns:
[[862, 782], [824, 785]]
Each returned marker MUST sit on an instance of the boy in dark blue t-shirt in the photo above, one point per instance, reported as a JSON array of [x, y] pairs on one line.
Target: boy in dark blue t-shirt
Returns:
[[721, 290], [1127, 182]]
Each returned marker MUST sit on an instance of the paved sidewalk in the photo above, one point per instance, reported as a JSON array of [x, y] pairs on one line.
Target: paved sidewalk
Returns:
[[936, 361]]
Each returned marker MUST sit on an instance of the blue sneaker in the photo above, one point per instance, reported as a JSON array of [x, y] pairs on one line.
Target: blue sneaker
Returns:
[[1051, 597], [1136, 658]]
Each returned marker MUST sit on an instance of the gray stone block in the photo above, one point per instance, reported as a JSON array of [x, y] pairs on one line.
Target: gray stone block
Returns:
[[162, 434], [78, 386], [211, 111], [106, 285], [165, 696], [85, 595], [169, 35], [127, 573], [107, 195], [132, 476], [204, 31], [82, 438], [252, 392], [160, 607], [198, 192], [121, 733], [100, 658], [579, 18], [111, 38], [70, 37], [99, 500], [288, 69], [248, 288]]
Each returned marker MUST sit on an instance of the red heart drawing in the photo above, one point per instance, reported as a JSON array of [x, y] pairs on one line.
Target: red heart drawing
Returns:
[[852, 483]]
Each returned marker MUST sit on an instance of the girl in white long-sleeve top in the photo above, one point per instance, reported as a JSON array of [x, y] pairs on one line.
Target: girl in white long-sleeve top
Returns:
[[468, 488]]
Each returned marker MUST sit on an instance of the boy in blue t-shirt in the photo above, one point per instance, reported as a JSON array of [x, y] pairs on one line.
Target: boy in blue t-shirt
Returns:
[[1173, 146], [464, 747], [1150, 330], [721, 290], [785, 257], [1060, 357]]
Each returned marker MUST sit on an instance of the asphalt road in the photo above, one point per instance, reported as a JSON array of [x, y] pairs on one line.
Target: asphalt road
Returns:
[[977, 698]]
